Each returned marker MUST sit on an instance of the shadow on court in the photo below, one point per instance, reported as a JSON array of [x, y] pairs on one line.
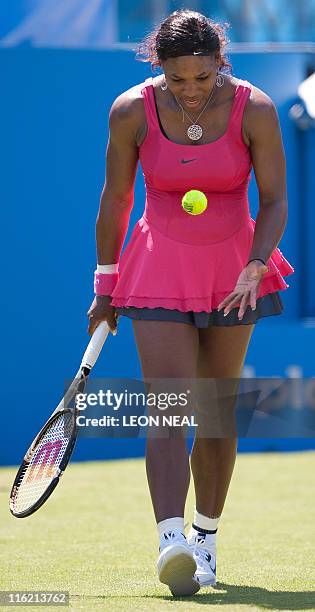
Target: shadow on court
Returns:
[[227, 594]]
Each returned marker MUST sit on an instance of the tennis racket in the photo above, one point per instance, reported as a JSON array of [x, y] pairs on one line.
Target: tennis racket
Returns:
[[50, 452]]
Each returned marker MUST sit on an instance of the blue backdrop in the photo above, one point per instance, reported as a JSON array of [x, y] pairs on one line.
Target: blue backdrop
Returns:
[[54, 126]]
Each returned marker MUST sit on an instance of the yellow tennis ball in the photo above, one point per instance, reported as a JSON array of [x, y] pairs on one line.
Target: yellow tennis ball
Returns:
[[194, 202]]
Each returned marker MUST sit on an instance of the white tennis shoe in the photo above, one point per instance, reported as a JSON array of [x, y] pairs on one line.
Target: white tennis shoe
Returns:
[[204, 552], [176, 565]]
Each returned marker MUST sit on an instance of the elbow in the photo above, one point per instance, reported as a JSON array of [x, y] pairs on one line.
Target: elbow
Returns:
[[116, 201], [113, 209], [281, 204]]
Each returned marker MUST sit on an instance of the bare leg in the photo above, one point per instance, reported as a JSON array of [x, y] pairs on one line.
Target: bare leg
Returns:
[[167, 350], [221, 355]]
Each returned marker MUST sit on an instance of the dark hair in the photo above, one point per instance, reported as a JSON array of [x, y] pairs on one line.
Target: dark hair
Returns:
[[184, 32]]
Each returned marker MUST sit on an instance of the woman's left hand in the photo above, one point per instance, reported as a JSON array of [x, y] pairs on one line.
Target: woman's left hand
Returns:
[[246, 289]]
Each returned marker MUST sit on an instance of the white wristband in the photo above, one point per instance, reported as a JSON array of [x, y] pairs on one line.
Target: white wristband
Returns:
[[107, 268]]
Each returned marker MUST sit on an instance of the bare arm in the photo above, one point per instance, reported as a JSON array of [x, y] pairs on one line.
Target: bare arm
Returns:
[[262, 130], [118, 191], [270, 171], [116, 199]]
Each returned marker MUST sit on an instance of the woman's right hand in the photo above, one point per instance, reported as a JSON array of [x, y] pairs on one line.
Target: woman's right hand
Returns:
[[101, 310]]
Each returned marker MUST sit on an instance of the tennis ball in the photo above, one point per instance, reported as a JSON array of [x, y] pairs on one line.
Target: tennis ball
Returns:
[[194, 202]]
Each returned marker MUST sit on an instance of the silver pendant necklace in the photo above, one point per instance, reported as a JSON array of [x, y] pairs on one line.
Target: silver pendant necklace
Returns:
[[194, 131]]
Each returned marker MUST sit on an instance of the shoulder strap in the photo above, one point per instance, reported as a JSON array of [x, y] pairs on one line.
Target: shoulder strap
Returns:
[[242, 94], [149, 104]]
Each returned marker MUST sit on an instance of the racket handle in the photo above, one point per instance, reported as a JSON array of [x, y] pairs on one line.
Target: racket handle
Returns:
[[95, 345]]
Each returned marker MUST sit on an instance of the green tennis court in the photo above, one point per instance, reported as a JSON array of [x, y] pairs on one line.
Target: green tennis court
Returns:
[[96, 537]]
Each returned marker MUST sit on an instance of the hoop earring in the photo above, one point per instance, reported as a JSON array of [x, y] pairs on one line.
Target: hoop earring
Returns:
[[164, 85], [219, 80]]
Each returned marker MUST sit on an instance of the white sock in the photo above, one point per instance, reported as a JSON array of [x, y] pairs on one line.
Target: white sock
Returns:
[[176, 522], [205, 522]]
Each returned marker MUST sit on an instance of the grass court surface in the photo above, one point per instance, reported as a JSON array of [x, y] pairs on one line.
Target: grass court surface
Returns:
[[96, 537]]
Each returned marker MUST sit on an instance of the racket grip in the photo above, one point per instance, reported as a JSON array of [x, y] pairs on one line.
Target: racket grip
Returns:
[[95, 345]]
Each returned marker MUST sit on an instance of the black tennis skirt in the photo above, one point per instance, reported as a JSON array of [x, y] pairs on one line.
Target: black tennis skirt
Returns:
[[266, 306]]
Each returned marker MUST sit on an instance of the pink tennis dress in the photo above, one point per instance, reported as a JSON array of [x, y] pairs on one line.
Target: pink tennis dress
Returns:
[[184, 262]]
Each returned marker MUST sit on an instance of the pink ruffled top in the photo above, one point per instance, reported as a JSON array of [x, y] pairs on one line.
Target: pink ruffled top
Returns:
[[180, 261]]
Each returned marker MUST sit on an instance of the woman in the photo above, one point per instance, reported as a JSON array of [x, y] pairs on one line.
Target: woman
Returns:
[[193, 285]]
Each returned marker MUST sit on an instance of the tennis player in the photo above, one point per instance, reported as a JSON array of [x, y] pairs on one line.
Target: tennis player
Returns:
[[193, 285]]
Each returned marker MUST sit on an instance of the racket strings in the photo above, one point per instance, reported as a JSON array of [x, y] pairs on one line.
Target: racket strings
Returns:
[[37, 475]]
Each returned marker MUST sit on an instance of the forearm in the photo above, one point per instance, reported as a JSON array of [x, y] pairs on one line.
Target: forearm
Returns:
[[270, 225], [111, 229]]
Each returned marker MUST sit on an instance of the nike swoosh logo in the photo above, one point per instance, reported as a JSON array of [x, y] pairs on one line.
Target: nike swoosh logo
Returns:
[[187, 161]]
